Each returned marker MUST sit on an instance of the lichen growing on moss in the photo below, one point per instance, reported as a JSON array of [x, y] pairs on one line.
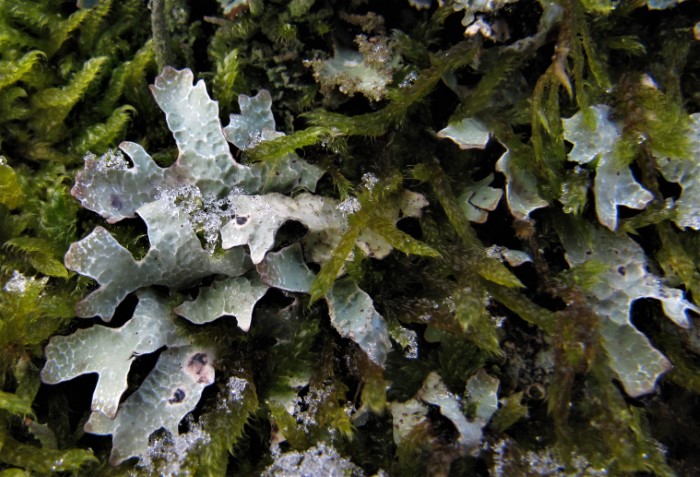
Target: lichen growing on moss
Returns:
[[433, 238]]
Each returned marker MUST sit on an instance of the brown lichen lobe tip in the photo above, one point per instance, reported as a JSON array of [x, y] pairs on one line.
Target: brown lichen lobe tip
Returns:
[[198, 367]]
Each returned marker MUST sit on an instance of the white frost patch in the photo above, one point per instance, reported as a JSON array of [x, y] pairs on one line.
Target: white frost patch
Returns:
[[320, 460], [19, 283], [111, 161], [167, 454], [349, 206]]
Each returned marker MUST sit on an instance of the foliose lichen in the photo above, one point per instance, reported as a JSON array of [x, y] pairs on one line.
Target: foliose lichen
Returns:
[[177, 259]]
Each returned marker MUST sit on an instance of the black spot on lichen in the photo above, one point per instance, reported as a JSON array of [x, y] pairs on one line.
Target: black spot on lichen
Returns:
[[241, 220], [198, 367], [116, 202], [178, 396], [198, 359]]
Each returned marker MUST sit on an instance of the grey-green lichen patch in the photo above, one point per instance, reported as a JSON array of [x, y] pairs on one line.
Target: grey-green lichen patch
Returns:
[[258, 217], [232, 296], [286, 270], [205, 195], [662, 4], [351, 310], [482, 392], [255, 123], [204, 158], [626, 278], [109, 352], [514, 258], [367, 71], [231, 6], [108, 186], [478, 199], [406, 417], [176, 258], [353, 315], [594, 136], [169, 392], [687, 174], [521, 188], [469, 133], [636, 362]]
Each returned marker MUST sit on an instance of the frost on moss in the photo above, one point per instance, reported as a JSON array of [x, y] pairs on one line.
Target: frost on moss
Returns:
[[473, 21], [321, 459], [595, 136], [624, 279]]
